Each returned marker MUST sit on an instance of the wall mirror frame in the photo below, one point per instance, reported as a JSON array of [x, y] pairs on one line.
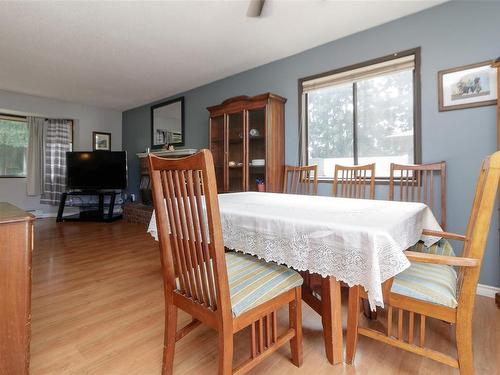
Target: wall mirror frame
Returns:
[[167, 123]]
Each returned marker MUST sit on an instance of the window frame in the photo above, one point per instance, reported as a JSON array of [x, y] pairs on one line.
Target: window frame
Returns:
[[417, 108]]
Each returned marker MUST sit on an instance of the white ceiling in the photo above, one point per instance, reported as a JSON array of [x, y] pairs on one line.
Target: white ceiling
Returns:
[[123, 54]]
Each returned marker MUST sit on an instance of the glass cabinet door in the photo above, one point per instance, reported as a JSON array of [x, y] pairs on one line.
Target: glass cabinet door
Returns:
[[236, 151], [256, 148], [217, 148]]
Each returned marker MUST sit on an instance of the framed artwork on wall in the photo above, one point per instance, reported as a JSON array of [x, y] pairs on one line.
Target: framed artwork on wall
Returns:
[[101, 141], [467, 86]]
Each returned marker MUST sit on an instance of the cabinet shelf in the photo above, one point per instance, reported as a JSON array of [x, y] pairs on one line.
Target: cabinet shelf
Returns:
[[239, 140], [256, 138]]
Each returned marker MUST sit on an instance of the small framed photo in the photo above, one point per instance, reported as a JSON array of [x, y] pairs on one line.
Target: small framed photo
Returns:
[[101, 141], [467, 86]]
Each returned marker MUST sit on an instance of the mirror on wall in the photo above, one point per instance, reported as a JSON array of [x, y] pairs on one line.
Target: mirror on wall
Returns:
[[167, 123]]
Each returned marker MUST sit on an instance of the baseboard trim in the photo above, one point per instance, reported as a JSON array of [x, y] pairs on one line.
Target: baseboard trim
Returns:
[[54, 215], [48, 215], [487, 290]]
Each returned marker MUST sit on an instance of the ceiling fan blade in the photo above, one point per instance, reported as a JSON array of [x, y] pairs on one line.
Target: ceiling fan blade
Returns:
[[255, 8]]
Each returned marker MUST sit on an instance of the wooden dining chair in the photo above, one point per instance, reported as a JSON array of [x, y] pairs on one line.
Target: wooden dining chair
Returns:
[[301, 180], [425, 183], [319, 292], [226, 291], [432, 288], [356, 181], [304, 180]]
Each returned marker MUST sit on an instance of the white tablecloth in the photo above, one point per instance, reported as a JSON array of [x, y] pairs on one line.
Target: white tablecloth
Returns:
[[358, 241]]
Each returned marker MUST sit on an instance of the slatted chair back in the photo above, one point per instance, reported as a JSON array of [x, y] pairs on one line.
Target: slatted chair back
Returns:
[[478, 227], [301, 180], [354, 181], [189, 229], [417, 183]]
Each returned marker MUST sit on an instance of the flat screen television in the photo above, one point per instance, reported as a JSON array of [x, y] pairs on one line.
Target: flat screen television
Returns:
[[97, 170]]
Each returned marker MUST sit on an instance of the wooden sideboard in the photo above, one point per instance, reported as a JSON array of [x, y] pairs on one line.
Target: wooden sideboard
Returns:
[[144, 183], [141, 211], [16, 246]]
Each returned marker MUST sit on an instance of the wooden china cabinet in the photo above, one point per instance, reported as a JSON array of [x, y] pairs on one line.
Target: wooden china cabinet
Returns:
[[247, 140]]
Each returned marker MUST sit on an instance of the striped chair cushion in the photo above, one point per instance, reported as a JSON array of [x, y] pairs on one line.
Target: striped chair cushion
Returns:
[[253, 281], [442, 247], [434, 283]]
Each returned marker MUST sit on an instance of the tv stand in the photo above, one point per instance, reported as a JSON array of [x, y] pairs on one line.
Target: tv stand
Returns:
[[90, 214]]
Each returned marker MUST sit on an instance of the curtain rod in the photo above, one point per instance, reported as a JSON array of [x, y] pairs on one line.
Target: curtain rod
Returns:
[[25, 116]]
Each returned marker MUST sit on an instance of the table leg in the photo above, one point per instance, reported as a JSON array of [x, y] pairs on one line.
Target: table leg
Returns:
[[331, 318], [367, 310], [352, 324]]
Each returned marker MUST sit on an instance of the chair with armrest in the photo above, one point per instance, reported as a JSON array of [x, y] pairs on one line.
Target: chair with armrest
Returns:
[[418, 183], [226, 291], [423, 183], [301, 180], [432, 288]]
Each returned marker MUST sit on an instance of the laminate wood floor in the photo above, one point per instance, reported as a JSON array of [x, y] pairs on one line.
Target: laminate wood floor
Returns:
[[97, 308]]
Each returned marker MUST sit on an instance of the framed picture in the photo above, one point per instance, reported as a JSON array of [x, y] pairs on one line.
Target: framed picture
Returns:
[[468, 86], [101, 141]]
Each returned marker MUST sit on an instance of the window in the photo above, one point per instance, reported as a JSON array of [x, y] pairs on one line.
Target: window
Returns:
[[13, 146], [362, 114]]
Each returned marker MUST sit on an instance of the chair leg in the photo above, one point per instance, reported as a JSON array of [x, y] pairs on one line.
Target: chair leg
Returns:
[[352, 324], [295, 316], [169, 340], [225, 351], [464, 346]]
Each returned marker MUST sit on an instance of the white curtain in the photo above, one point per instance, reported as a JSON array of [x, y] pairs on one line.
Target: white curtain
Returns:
[[57, 141], [34, 181]]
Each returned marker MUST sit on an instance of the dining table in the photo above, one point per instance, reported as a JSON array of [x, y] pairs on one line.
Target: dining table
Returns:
[[354, 241]]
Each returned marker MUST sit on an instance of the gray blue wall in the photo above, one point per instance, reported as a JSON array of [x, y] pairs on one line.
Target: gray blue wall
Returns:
[[450, 35], [86, 120]]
